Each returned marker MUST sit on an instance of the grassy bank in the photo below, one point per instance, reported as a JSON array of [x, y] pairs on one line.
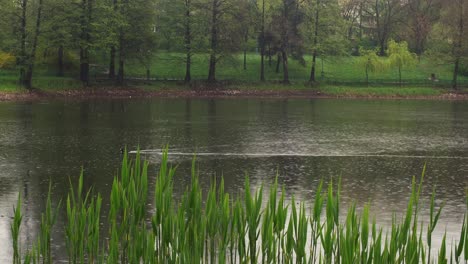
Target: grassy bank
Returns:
[[332, 71], [253, 227]]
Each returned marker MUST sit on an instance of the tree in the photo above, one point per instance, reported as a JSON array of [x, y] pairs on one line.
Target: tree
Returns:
[[27, 18], [400, 56], [179, 29], [288, 17], [420, 17], [448, 42], [458, 28], [370, 61], [225, 33], [136, 36], [57, 34], [85, 18], [386, 17], [328, 34]]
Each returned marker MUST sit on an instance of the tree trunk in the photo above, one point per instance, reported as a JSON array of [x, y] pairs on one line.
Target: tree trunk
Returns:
[[120, 74], [188, 77], [278, 61], [382, 48], [85, 39], [399, 74], [84, 66], [360, 21], [459, 45], [21, 61], [122, 54], [214, 42], [380, 36], [285, 67], [212, 69], [455, 74], [367, 73], [312, 78], [245, 59], [262, 45], [29, 72], [60, 71], [188, 42], [112, 51], [112, 63], [148, 75], [269, 55]]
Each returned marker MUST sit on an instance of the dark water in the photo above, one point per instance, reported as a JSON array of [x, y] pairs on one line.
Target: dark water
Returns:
[[374, 146]]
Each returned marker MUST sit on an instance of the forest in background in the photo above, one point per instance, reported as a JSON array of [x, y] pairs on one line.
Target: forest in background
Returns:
[[191, 39]]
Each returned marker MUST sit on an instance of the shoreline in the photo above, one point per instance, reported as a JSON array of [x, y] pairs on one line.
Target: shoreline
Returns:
[[135, 93]]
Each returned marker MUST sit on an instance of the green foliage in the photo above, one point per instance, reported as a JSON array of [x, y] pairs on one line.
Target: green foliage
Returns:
[[15, 231], [216, 229], [7, 60], [370, 61], [400, 56]]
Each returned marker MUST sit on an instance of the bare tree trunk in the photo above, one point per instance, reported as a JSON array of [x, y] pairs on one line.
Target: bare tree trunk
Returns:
[[188, 42], [121, 71], [380, 36], [269, 55], [399, 74], [60, 71], [278, 61], [29, 72], [245, 59], [459, 44], [285, 67], [85, 38], [214, 41], [360, 21], [112, 63], [262, 45], [112, 51], [21, 61], [312, 78], [367, 72]]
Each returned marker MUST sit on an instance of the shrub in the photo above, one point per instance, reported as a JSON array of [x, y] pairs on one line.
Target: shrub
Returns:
[[7, 60], [463, 70]]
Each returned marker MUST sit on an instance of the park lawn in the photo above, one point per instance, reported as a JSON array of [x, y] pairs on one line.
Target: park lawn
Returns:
[[336, 75], [349, 69]]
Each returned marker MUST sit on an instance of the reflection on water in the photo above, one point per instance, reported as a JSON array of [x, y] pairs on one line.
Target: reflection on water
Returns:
[[374, 146]]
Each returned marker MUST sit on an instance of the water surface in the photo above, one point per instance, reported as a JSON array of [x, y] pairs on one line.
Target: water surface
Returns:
[[376, 147]]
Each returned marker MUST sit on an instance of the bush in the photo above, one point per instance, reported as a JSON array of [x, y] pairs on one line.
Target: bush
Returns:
[[49, 59], [7, 60], [463, 70]]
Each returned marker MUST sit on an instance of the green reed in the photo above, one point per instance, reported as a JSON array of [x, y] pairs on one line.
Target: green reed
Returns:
[[215, 227]]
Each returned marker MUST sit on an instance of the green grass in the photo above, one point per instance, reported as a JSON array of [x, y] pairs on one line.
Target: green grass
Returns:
[[9, 82], [335, 69], [220, 228], [338, 72]]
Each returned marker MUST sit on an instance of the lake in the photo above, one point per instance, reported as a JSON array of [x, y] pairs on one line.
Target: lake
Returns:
[[374, 146]]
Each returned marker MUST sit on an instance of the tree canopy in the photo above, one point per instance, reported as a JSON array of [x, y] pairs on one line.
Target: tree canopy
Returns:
[[89, 38]]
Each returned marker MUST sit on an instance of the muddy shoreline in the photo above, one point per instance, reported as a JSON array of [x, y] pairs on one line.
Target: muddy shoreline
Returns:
[[128, 93]]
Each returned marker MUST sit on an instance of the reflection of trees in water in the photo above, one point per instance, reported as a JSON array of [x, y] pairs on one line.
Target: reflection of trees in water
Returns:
[[52, 141]]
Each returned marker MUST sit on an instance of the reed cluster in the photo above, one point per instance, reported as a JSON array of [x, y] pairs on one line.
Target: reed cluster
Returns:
[[219, 228]]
